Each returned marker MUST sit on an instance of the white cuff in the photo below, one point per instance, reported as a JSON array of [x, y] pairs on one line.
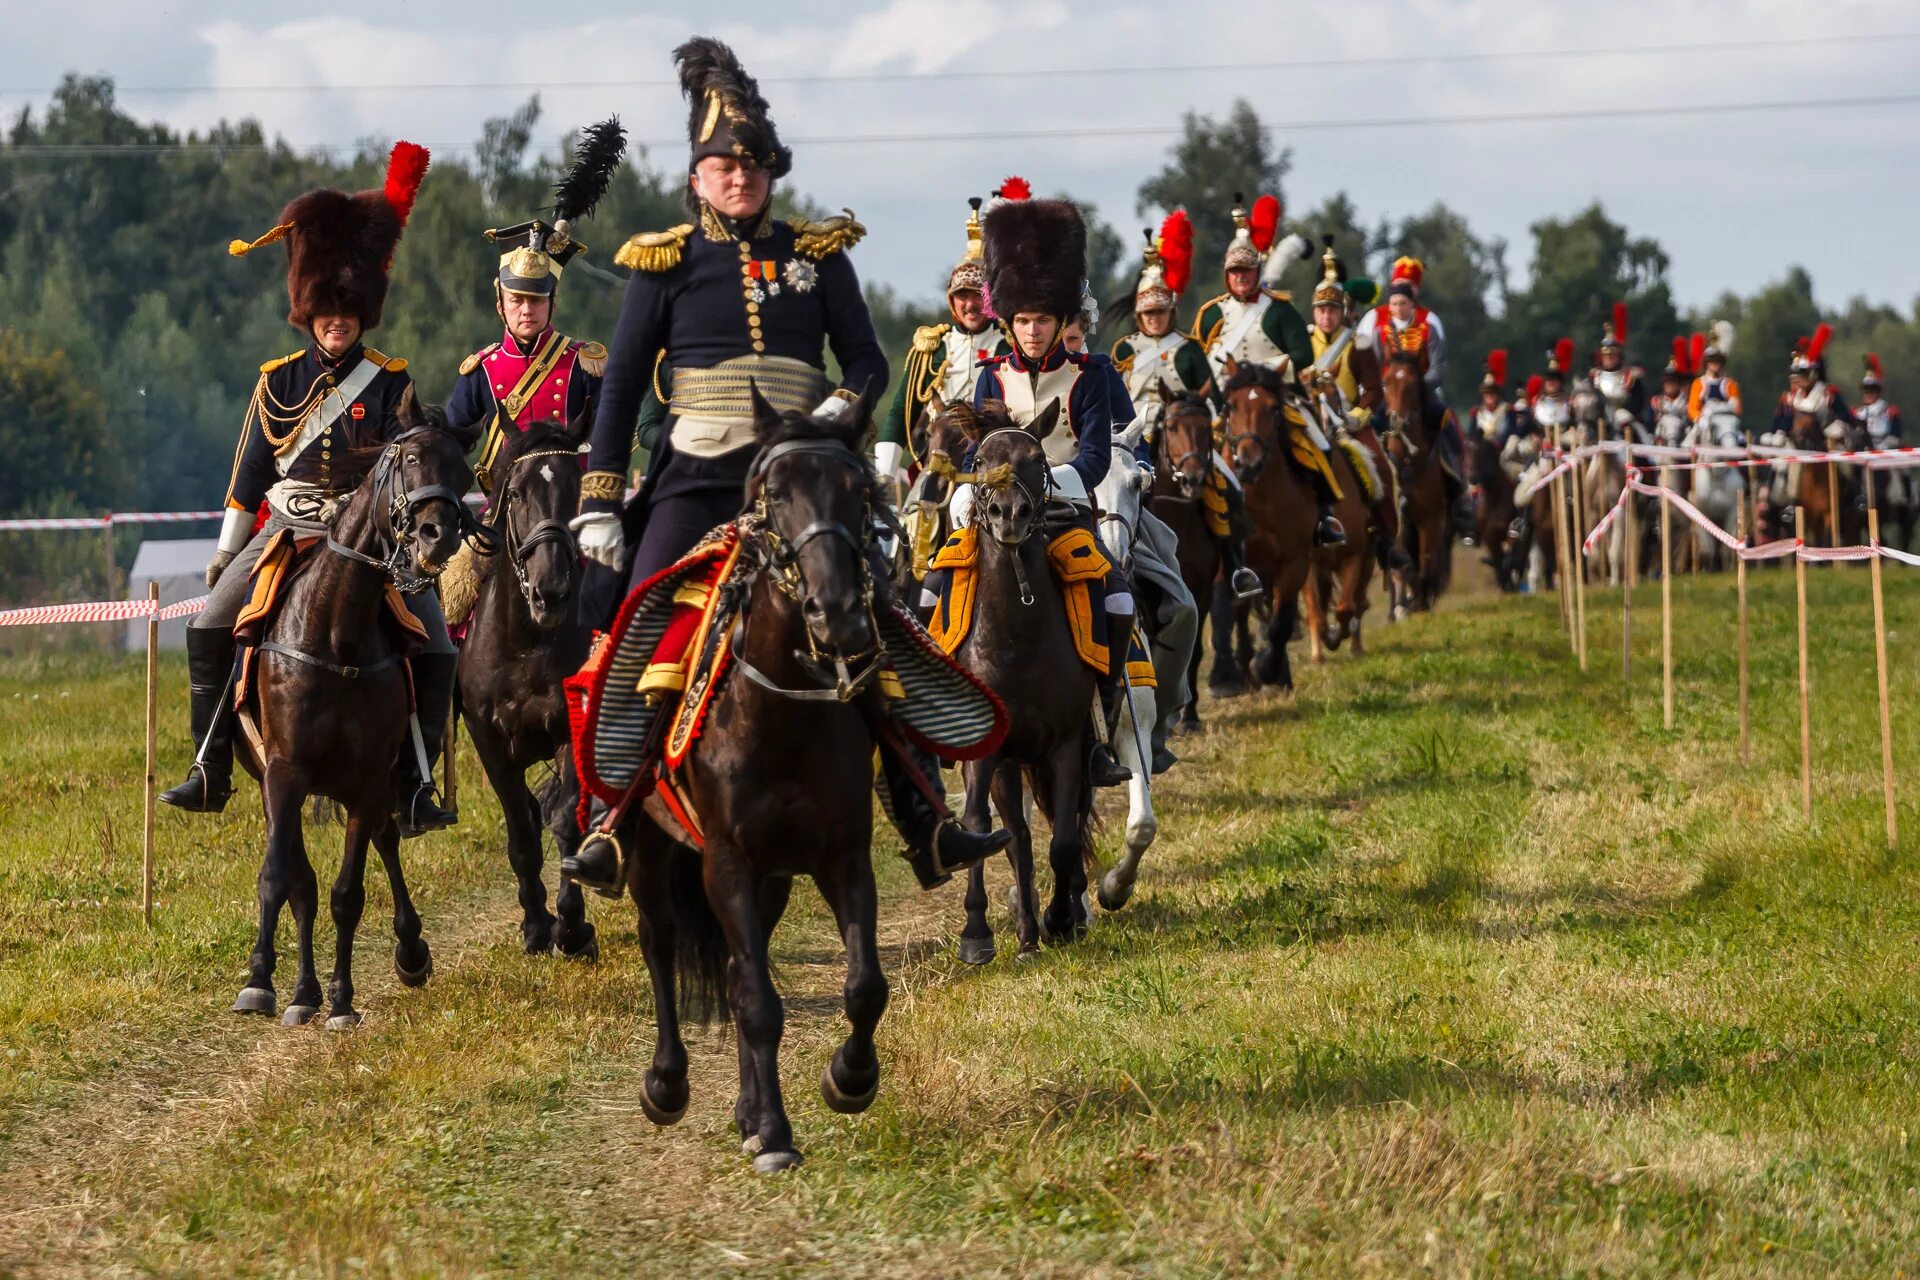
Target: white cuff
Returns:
[[886, 458], [587, 520], [236, 530]]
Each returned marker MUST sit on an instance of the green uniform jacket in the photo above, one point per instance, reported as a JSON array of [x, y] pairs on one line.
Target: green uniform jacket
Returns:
[[1189, 361], [919, 376], [1285, 327]]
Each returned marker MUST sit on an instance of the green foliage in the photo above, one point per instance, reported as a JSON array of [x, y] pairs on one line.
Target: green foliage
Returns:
[[1212, 162]]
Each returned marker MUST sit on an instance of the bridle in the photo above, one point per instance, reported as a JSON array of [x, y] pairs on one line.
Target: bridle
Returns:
[[520, 547], [395, 513], [1162, 444], [1400, 425], [995, 478], [778, 557], [1269, 404]]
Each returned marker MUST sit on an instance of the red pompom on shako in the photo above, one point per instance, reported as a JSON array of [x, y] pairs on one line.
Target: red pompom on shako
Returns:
[[1015, 189], [1696, 352], [1497, 367]]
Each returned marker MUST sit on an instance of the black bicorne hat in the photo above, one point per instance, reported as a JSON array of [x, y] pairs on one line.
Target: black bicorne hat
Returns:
[[1036, 257], [727, 116]]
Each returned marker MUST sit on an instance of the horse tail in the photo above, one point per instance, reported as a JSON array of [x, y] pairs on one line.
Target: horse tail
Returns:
[[700, 944]]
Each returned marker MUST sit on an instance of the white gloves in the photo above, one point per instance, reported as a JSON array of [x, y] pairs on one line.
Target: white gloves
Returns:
[[834, 408], [217, 566], [886, 460], [601, 540]]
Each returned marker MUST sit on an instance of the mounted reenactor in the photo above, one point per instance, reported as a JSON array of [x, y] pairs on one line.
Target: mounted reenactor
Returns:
[[535, 374], [1036, 261], [1252, 323], [944, 360], [312, 410], [1671, 401], [1494, 417], [1711, 389], [1880, 415], [1810, 394], [1622, 387], [1349, 367], [741, 304], [1157, 360]]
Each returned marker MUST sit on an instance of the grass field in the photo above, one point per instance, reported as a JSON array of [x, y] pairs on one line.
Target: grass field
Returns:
[[1455, 965]]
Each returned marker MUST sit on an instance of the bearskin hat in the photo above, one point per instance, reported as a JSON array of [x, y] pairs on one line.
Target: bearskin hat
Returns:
[[726, 114], [1036, 257], [340, 245]]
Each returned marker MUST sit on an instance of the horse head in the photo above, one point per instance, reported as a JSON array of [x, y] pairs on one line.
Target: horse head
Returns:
[[1589, 410], [537, 491], [812, 496], [1254, 398], [1185, 444], [1402, 394], [1011, 470], [411, 492], [1119, 496]]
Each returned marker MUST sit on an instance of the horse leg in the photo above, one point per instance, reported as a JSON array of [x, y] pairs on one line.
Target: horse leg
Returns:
[[1068, 799], [976, 938], [771, 903], [852, 1077], [1315, 594], [664, 1093], [1116, 886], [1228, 678], [1010, 799], [412, 958], [304, 1006], [349, 900], [758, 1015], [1189, 718], [575, 938], [1274, 667], [520, 813], [281, 798]]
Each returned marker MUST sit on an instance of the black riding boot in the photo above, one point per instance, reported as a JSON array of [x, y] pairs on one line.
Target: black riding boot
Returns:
[[209, 674], [1327, 530], [937, 846], [595, 864], [1393, 556], [1242, 581], [1103, 764], [416, 805]]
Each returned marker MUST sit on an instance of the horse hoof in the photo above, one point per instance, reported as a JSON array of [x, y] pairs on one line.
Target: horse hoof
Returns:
[[588, 953], [1114, 893], [846, 1104], [260, 1000], [299, 1015], [343, 1021], [413, 977], [977, 951], [751, 1147], [659, 1115], [776, 1161]]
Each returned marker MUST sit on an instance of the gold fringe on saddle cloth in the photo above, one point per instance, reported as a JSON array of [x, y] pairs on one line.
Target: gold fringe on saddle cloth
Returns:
[[460, 581], [1077, 563]]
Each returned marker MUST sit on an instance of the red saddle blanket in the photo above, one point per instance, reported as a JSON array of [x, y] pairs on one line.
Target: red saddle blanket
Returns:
[[670, 651], [280, 565]]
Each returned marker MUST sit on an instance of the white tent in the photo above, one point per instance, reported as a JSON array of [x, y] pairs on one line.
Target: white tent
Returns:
[[179, 565]]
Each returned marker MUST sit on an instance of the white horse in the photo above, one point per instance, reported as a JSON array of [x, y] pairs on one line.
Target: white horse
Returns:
[[1119, 498], [1717, 491]]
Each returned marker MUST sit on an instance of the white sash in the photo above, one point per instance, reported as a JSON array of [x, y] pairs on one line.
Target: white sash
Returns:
[[324, 414], [1234, 333]]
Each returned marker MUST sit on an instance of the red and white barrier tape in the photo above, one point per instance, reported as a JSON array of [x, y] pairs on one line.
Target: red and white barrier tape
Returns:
[[113, 518], [99, 611], [1775, 550], [1690, 457]]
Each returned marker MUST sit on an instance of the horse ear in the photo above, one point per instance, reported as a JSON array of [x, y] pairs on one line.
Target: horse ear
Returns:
[[936, 405], [582, 425], [862, 414], [1166, 394], [1046, 420], [408, 410], [765, 416], [1230, 368]]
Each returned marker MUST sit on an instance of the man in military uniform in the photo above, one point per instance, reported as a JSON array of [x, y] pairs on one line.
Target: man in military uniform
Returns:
[[1157, 357], [1493, 418], [1712, 387], [535, 373], [1623, 388], [1252, 324], [1548, 410], [944, 360], [1880, 415], [334, 396], [737, 301], [1672, 396], [1809, 392], [1345, 367]]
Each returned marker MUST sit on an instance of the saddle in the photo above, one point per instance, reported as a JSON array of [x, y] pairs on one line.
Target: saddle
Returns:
[[670, 651], [1077, 563]]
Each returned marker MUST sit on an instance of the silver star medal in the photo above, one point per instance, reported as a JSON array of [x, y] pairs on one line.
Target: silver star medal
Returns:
[[801, 275], [758, 294]]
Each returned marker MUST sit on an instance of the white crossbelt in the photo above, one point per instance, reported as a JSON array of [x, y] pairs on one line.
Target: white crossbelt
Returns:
[[324, 414]]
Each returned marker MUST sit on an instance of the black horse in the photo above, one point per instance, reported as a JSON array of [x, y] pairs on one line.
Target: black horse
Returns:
[[330, 700], [526, 637]]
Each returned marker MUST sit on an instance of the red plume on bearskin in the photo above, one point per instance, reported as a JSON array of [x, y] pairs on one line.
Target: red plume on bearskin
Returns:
[[1015, 189], [1696, 352], [1818, 346], [1176, 250], [1534, 383], [1563, 355], [1263, 222], [1620, 323], [406, 168], [1497, 366]]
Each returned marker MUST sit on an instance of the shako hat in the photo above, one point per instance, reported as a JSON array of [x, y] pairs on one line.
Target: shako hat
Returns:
[[537, 251], [970, 272]]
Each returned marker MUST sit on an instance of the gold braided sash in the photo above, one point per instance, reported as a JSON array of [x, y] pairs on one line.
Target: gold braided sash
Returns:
[[723, 391]]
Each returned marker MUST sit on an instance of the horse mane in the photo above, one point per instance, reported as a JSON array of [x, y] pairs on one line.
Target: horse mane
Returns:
[[1253, 375], [535, 439], [1189, 400]]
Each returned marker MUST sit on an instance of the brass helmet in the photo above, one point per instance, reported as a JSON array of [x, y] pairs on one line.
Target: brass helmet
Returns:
[[971, 271], [1332, 290]]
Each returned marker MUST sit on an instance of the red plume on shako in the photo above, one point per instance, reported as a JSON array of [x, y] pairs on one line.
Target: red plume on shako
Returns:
[[1176, 250], [1263, 222]]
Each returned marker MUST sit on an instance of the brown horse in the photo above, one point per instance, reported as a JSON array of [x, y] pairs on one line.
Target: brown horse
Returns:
[[1020, 646], [330, 701], [1183, 454], [924, 513], [1412, 440], [525, 639], [1348, 566], [782, 779], [1822, 484], [1493, 512]]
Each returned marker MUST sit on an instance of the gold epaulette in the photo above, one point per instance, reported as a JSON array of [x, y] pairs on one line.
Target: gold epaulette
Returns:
[[1278, 295], [392, 364], [271, 365], [472, 362], [927, 337], [592, 357], [831, 235], [654, 250]]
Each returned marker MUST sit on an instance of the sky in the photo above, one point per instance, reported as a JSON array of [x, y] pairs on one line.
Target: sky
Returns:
[[1735, 197]]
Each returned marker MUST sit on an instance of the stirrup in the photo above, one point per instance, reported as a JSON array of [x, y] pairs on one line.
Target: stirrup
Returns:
[[932, 868], [1329, 532], [1245, 584], [588, 865], [207, 801], [422, 813]]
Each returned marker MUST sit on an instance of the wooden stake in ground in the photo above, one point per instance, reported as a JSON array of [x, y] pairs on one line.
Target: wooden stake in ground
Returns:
[[1742, 525], [1631, 545], [1575, 536], [1806, 729], [1666, 599], [1557, 495], [1880, 661], [153, 737], [1833, 504]]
